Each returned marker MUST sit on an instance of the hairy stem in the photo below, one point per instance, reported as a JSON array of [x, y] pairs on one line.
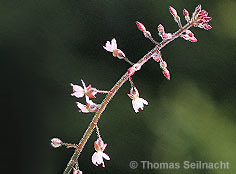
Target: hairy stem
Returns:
[[113, 91]]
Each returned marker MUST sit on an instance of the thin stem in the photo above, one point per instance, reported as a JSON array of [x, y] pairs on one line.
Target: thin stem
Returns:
[[98, 132], [113, 91], [128, 61]]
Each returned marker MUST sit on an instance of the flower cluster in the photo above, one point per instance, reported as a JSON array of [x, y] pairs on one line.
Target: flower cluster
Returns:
[[200, 18], [88, 92]]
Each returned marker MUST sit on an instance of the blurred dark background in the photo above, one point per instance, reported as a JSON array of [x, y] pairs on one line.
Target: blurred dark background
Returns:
[[45, 45]]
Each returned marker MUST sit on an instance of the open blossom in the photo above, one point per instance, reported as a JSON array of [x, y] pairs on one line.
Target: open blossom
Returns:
[[89, 107], [137, 102], [112, 47], [97, 158], [79, 91]]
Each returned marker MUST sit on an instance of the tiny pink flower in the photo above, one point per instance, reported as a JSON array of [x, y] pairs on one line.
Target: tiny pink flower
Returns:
[[97, 158], [173, 11], [112, 47], [76, 171], [89, 107], [140, 26], [137, 102], [79, 91]]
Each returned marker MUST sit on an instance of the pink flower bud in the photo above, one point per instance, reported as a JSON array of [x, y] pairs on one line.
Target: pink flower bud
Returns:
[[198, 8], [207, 27], [160, 28], [166, 36], [173, 11], [166, 73], [56, 142], [192, 39], [186, 13], [134, 68], [140, 26]]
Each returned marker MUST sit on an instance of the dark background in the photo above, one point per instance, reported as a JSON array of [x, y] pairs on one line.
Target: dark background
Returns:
[[46, 44]]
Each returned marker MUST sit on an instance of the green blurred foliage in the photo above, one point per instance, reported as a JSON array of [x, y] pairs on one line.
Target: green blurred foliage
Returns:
[[45, 45]]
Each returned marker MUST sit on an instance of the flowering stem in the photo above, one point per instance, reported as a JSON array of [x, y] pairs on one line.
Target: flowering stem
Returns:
[[113, 91]]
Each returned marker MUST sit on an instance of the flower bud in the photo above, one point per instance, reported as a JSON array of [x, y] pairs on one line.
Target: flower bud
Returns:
[[166, 36], [166, 73], [207, 26], [140, 26], [56, 142], [173, 11], [186, 13], [134, 68], [161, 29]]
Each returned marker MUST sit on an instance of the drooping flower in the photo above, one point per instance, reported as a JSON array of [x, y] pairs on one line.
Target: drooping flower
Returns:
[[97, 158], [89, 107], [137, 102], [112, 47]]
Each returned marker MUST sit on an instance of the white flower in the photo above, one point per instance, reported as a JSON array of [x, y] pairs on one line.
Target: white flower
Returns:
[[137, 102], [97, 158], [111, 46], [79, 91], [89, 107]]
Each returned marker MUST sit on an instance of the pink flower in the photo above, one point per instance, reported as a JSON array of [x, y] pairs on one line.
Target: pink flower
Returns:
[[89, 107], [137, 102], [112, 47], [79, 91], [76, 171], [134, 68], [97, 158]]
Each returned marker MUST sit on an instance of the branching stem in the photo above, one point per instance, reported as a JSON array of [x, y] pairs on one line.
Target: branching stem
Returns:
[[113, 91]]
